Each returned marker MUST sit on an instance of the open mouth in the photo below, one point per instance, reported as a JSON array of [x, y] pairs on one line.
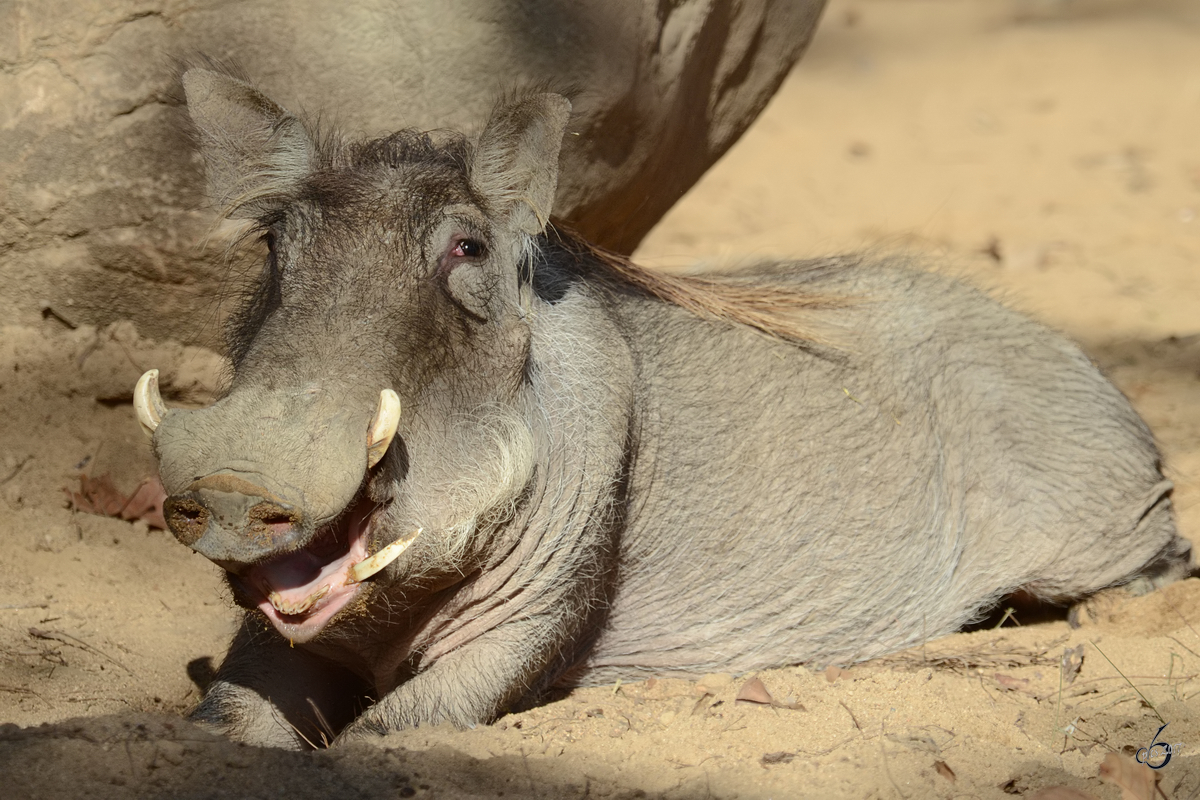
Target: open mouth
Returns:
[[300, 592]]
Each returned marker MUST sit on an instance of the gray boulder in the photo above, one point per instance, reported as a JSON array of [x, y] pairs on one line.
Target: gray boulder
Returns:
[[101, 211]]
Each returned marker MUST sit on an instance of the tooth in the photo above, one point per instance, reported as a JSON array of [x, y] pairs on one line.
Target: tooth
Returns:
[[383, 427], [369, 566], [302, 607]]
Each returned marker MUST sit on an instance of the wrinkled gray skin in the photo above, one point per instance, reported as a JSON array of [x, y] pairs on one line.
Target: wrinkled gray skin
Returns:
[[608, 485]]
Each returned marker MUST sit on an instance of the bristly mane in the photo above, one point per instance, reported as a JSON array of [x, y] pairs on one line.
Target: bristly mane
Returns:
[[772, 308]]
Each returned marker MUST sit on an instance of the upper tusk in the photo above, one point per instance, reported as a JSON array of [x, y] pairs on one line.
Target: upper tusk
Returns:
[[147, 402], [383, 427]]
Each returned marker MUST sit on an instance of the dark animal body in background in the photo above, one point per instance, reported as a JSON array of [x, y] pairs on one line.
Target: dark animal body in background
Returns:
[[661, 90], [597, 472]]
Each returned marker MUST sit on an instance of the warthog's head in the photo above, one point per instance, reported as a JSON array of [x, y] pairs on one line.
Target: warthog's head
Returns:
[[379, 364]]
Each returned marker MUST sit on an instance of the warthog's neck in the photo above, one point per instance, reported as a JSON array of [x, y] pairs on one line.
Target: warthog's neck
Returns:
[[542, 561]]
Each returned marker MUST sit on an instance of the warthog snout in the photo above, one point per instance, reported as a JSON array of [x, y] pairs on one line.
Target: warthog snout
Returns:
[[244, 508], [271, 484], [232, 521]]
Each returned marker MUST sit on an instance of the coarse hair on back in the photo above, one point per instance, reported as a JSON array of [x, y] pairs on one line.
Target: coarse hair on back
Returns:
[[771, 307]]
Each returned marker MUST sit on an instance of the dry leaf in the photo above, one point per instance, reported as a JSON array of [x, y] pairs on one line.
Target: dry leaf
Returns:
[[753, 691], [146, 503], [1060, 793], [97, 496], [944, 770], [1010, 683], [833, 673], [1136, 780], [1072, 662], [100, 496]]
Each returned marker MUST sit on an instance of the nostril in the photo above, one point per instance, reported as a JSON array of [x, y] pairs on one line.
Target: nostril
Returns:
[[186, 518], [271, 520]]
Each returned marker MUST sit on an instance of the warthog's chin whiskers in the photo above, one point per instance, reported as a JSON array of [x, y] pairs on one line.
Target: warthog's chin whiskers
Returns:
[[374, 563]]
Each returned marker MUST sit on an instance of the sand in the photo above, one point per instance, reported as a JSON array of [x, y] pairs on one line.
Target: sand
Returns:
[[1047, 150]]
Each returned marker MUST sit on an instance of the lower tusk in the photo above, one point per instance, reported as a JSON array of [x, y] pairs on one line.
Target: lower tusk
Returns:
[[369, 566], [147, 402], [383, 427]]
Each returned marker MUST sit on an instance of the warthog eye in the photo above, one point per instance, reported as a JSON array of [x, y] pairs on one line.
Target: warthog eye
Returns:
[[467, 248]]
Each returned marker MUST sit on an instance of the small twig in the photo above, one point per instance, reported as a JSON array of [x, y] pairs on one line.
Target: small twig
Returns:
[[887, 770], [827, 750], [12, 473], [681, 765], [1152, 678], [1008, 612], [991, 699], [530, 730], [985, 655], [1181, 616], [14, 606], [1062, 667], [49, 311], [1092, 738], [22, 690], [1136, 689], [63, 637], [1184, 646], [1171, 672], [853, 718]]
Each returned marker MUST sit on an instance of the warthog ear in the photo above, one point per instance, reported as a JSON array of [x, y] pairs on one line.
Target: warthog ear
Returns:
[[515, 166], [255, 150]]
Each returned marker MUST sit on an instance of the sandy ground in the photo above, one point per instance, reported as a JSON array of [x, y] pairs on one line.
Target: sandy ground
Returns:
[[1047, 150]]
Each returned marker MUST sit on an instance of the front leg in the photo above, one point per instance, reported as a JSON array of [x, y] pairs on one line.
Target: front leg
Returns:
[[472, 685], [270, 694]]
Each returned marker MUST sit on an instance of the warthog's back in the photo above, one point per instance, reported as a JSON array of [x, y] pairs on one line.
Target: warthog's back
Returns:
[[788, 506]]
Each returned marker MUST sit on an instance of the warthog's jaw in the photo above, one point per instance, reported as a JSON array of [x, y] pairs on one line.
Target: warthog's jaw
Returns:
[[302, 591]]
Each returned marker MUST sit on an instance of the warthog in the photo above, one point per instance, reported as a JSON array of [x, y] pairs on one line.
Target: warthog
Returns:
[[465, 457]]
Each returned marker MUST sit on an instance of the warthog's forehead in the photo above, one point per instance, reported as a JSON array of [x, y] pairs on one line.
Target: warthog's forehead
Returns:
[[401, 181]]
